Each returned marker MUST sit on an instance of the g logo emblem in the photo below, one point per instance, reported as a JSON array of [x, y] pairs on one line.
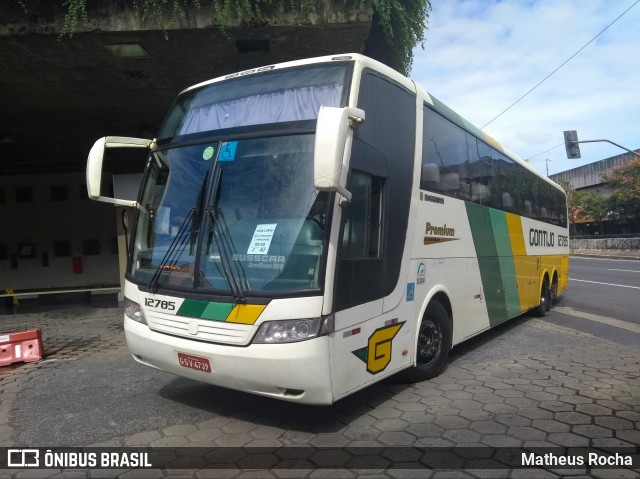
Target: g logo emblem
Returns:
[[377, 354]]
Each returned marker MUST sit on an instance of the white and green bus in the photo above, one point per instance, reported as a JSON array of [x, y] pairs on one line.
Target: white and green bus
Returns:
[[308, 228]]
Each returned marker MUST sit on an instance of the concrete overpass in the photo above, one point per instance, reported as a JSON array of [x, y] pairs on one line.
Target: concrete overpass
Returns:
[[117, 75]]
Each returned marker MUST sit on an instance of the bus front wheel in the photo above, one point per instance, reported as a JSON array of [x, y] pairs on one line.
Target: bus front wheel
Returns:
[[433, 344]]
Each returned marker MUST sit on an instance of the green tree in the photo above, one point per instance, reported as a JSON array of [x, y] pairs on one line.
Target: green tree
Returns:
[[624, 182], [595, 207], [398, 25]]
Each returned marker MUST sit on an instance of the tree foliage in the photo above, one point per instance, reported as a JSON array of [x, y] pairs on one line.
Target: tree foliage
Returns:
[[624, 181], [403, 22]]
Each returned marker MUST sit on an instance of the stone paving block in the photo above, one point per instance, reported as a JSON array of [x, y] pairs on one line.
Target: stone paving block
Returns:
[[501, 440], [425, 430], [386, 412], [535, 413], [591, 431], [462, 436], [556, 406], [452, 422], [179, 430], [466, 404], [612, 422], [215, 423], [266, 432], [593, 409], [233, 440], [572, 418], [414, 417], [477, 414], [500, 408], [509, 393], [391, 425], [169, 441], [397, 438], [488, 427], [329, 440], [457, 394], [630, 415], [550, 425], [512, 420], [443, 410], [575, 399], [205, 435], [568, 439], [239, 426], [487, 398], [526, 433], [411, 406], [632, 436], [521, 402]]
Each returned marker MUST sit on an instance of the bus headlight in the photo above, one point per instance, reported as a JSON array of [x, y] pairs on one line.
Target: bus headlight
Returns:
[[275, 332], [132, 310]]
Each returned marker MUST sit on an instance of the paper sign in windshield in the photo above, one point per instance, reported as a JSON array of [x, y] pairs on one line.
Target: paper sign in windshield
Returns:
[[261, 240]]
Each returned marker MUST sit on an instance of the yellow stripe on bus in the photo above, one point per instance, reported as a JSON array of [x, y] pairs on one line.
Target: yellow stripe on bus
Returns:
[[245, 313]]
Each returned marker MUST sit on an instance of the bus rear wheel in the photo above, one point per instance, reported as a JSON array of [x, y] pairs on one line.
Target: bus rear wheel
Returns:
[[545, 299], [433, 344]]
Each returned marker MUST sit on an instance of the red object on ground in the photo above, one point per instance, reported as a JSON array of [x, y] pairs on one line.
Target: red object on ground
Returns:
[[23, 346]]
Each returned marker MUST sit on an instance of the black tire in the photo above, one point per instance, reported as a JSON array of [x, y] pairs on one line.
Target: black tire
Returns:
[[543, 307], [433, 344], [553, 292]]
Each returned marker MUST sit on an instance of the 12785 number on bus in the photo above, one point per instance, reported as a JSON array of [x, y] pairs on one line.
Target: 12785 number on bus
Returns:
[[160, 304]]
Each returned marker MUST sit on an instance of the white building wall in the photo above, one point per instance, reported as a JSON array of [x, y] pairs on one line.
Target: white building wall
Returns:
[[44, 221]]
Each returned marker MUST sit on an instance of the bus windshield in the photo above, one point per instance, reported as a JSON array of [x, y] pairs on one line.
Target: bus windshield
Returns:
[[238, 217]]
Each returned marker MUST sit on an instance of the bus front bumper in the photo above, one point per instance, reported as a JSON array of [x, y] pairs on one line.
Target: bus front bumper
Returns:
[[297, 372]]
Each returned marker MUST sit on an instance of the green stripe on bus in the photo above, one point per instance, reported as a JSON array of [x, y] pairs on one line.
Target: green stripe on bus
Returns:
[[205, 310], [507, 265], [217, 311], [192, 308], [488, 261]]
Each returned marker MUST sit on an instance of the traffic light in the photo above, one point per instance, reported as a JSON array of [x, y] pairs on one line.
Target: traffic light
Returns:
[[571, 144]]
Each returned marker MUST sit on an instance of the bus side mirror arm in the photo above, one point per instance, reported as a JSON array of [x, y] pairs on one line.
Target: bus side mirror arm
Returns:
[[95, 160], [334, 135]]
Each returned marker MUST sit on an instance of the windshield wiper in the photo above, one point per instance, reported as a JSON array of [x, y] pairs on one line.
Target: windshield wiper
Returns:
[[179, 242], [224, 249], [180, 239]]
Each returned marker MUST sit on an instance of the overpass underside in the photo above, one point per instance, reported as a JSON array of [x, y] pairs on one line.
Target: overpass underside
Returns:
[[117, 75]]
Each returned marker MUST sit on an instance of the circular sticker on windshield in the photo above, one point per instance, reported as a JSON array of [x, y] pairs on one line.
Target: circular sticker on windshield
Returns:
[[207, 154]]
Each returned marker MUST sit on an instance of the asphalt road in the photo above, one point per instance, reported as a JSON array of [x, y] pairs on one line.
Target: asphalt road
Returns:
[[606, 287]]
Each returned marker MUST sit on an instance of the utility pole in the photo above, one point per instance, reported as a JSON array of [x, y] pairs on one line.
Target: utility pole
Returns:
[[548, 160]]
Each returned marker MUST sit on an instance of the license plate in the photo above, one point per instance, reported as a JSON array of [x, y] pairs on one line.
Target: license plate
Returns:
[[194, 362]]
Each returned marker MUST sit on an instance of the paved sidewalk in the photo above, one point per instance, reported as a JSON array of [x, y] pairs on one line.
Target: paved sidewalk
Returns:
[[585, 394]]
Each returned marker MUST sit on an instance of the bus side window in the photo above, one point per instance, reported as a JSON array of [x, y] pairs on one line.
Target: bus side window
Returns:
[[362, 235]]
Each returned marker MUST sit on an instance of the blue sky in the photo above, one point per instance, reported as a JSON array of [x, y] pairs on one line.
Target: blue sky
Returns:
[[480, 56]]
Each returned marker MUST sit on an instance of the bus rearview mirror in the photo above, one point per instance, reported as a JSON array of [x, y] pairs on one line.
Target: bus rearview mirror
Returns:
[[95, 161], [334, 135]]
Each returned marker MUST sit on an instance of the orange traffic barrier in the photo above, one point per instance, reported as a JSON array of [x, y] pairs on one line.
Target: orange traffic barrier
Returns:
[[25, 346]]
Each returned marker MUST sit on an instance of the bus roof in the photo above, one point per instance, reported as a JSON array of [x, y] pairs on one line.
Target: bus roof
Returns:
[[407, 83]]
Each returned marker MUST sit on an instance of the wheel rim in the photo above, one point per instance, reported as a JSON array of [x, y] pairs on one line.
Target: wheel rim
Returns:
[[429, 342]]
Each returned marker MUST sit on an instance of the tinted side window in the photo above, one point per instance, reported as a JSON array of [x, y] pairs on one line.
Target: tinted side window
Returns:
[[445, 157]]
